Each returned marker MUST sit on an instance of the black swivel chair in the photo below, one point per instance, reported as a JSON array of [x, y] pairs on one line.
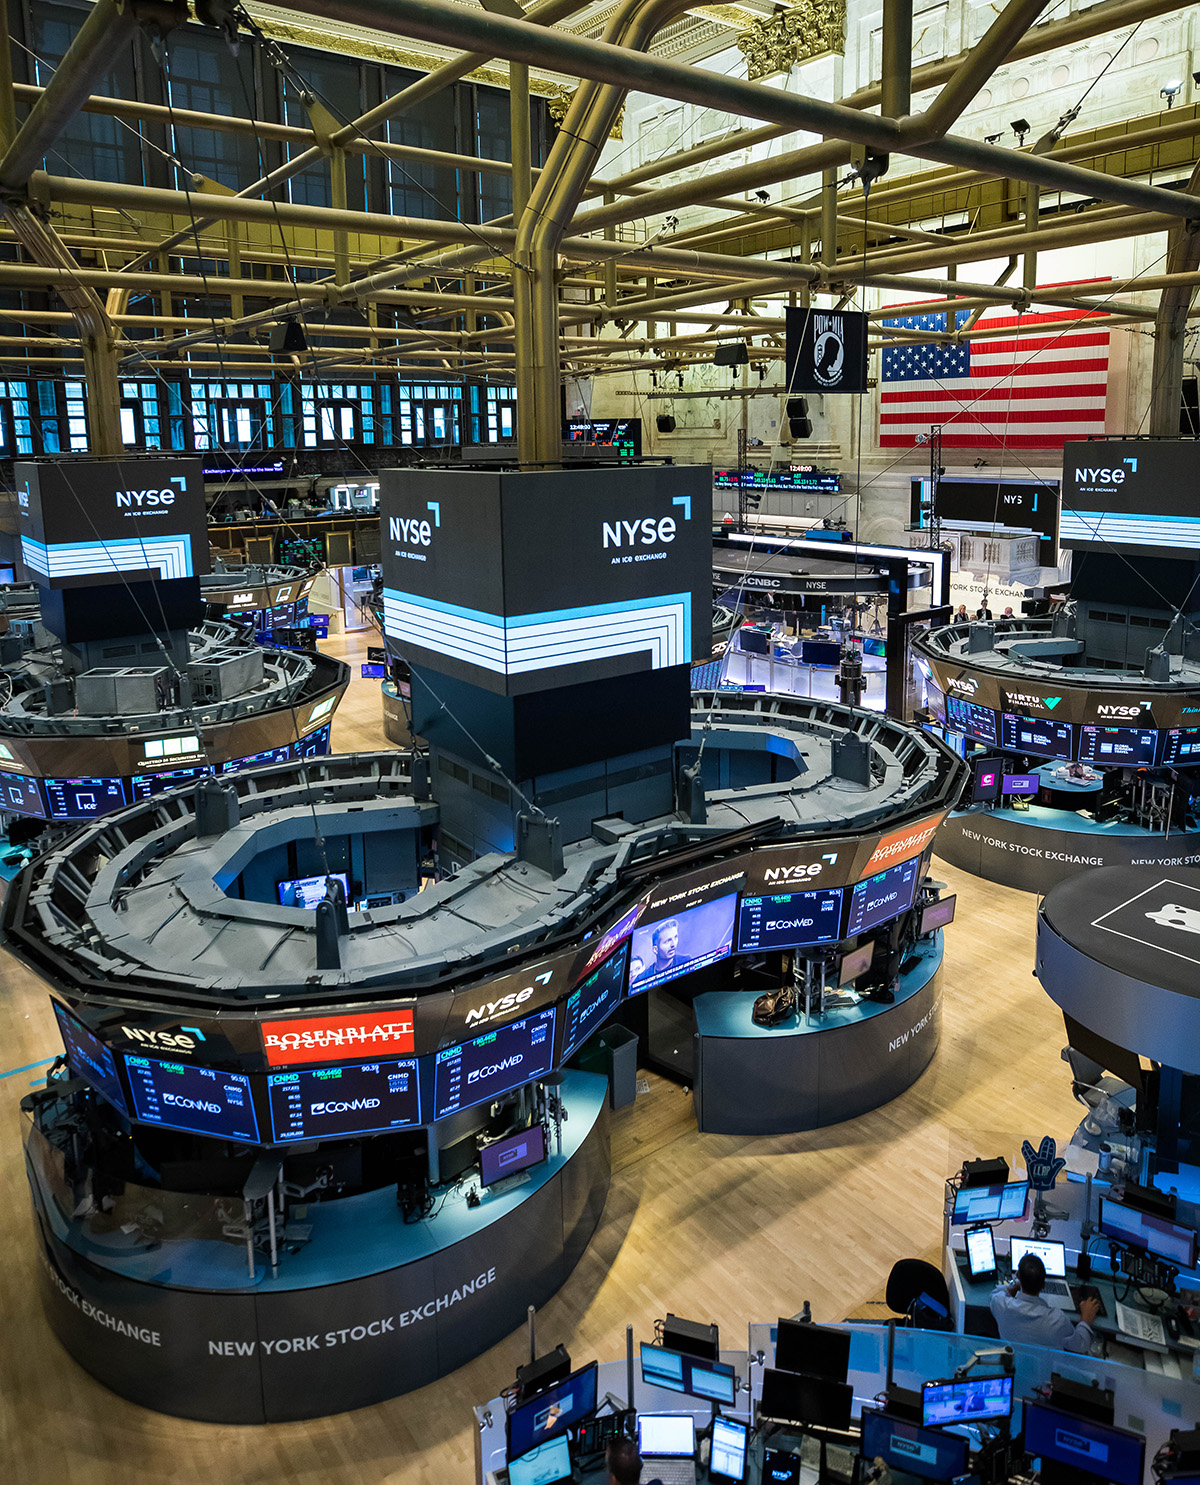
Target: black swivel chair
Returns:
[[917, 1290]]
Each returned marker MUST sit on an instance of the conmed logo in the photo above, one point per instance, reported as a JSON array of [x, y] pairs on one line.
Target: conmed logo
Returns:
[[481, 1015], [199, 1104], [495, 1069], [350, 1106], [144, 498]]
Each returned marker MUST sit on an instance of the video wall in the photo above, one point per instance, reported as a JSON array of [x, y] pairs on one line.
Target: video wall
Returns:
[[339, 1076]]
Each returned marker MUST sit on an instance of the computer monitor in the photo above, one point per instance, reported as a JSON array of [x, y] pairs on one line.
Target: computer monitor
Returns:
[[1053, 1255], [856, 963], [816, 1350], [548, 1464], [974, 1400], [990, 1203], [938, 914], [517, 1152], [662, 1368], [667, 1436], [790, 1398], [911, 1449], [985, 783], [981, 1253], [307, 892], [1020, 783], [553, 1412], [1088, 1450], [1165, 1239], [712, 1380], [372, 671], [729, 1443], [691, 939]]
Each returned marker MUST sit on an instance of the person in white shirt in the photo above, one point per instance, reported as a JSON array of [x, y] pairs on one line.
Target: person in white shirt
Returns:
[[1022, 1315]]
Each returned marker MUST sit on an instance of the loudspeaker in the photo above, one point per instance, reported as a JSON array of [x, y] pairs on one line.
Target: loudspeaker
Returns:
[[800, 427], [737, 354], [288, 337], [665, 423], [796, 407]]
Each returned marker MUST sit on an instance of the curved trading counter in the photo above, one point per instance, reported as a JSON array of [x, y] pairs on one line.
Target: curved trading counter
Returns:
[[149, 1289], [806, 1074], [1037, 848]]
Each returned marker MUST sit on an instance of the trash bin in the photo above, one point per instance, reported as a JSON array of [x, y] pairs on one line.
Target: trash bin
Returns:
[[620, 1054]]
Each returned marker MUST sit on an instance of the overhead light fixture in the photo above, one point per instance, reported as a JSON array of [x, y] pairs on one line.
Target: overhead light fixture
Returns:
[[1020, 128], [990, 138], [1196, 78], [1170, 91], [763, 196]]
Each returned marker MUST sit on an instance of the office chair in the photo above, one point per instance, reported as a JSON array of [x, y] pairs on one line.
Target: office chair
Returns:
[[917, 1290], [1095, 1089]]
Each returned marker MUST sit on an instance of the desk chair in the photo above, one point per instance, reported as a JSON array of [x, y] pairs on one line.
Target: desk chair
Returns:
[[1091, 1085], [917, 1290]]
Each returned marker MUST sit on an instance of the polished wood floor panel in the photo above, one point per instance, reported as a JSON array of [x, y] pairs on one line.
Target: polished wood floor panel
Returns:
[[711, 1227]]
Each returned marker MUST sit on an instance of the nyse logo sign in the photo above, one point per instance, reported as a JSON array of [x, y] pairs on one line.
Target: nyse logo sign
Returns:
[[143, 499], [496, 1010], [1107, 476], [965, 685], [787, 874], [177, 1039], [647, 532], [415, 531], [1122, 711]]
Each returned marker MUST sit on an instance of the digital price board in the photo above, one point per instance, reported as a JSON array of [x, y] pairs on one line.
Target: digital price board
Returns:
[[88, 1057], [83, 799], [790, 920], [21, 796], [590, 1004], [883, 897], [271, 755], [493, 1064], [1035, 735], [1132, 746], [333, 1102], [200, 1100], [1181, 746], [976, 721], [147, 785], [804, 477]]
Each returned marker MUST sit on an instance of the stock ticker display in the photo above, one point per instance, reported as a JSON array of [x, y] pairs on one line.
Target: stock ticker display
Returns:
[[493, 1064], [335, 1102], [200, 1100]]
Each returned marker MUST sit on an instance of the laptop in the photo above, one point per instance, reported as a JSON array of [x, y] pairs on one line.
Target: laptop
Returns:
[[1054, 1257], [667, 1444]]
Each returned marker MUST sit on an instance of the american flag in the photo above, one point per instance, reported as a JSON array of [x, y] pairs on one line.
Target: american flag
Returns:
[[1031, 390]]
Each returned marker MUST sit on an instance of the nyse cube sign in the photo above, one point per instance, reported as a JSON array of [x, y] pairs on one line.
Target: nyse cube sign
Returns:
[[523, 581], [1132, 496], [86, 523]]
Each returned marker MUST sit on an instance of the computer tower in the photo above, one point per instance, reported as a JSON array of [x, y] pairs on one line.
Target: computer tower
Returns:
[[692, 1338], [542, 1373]]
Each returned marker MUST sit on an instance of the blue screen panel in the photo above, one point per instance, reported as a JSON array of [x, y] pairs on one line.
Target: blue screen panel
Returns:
[[200, 1100]]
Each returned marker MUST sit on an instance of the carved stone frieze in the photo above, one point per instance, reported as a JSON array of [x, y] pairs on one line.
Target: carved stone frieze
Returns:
[[810, 29]]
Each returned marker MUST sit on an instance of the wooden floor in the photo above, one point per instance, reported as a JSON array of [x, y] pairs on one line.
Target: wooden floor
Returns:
[[708, 1226]]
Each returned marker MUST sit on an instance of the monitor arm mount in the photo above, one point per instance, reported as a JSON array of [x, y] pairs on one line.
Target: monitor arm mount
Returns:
[[999, 1356]]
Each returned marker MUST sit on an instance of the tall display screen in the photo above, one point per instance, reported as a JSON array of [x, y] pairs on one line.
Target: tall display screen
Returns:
[[493, 1064], [333, 1102], [976, 721], [1036, 735], [1132, 746], [693, 938], [791, 920], [1131, 495], [882, 897], [88, 1057], [591, 1003], [200, 1100]]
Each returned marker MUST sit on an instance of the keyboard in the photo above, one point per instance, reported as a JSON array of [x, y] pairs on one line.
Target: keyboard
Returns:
[[1056, 1289], [671, 1471]]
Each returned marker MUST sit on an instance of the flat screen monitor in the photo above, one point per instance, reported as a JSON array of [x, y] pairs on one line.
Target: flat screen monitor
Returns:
[[335, 1102], [713, 1380], [974, 1400], [872, 646], [147, 785], [1036, 735], [1052, 1254], [552, 1412], [548, 1464], [271, 755], [856, 963], [790, 920], [1129, 747], [879, 898], [990, 1203], [820, 652], [377, 655], [790, 1398], [307, 892], [662, 1368], [976, 721], [1097, 1449], [314, 744], [938, 914], [200, 1100], [729, 1444], [83, 799], [693, 939], [20, 796], [818, 1350], [981, 1253], [1181, 747], [373, 672], [1157, 1235], [780, 1467], [492, 1064], [88, 1057], [511, 1155], [1020, 783], [985, 783], [593, 1000], [925, 1452]]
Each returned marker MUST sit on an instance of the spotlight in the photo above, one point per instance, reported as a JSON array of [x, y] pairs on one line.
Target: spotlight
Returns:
[[1170, 91], [763, 196], [990, 138], [1020, 128], [1196, 78]]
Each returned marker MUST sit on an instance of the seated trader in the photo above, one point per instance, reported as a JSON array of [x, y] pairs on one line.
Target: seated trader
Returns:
[[1022, 1315], [623, 1463]]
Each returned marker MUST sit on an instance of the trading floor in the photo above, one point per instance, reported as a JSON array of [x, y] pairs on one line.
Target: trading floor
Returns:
[[711, 1226]]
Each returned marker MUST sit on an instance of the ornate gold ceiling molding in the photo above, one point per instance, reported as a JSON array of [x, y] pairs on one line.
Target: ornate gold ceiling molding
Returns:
[[811, 29], [560, 101]]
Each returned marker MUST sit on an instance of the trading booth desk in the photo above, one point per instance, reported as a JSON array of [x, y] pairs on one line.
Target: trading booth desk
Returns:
[[810, 1072], [149, 1289]]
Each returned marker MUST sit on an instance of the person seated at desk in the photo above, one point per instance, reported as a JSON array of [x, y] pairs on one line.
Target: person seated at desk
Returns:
[[1022, 1315], [624, 1463]]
